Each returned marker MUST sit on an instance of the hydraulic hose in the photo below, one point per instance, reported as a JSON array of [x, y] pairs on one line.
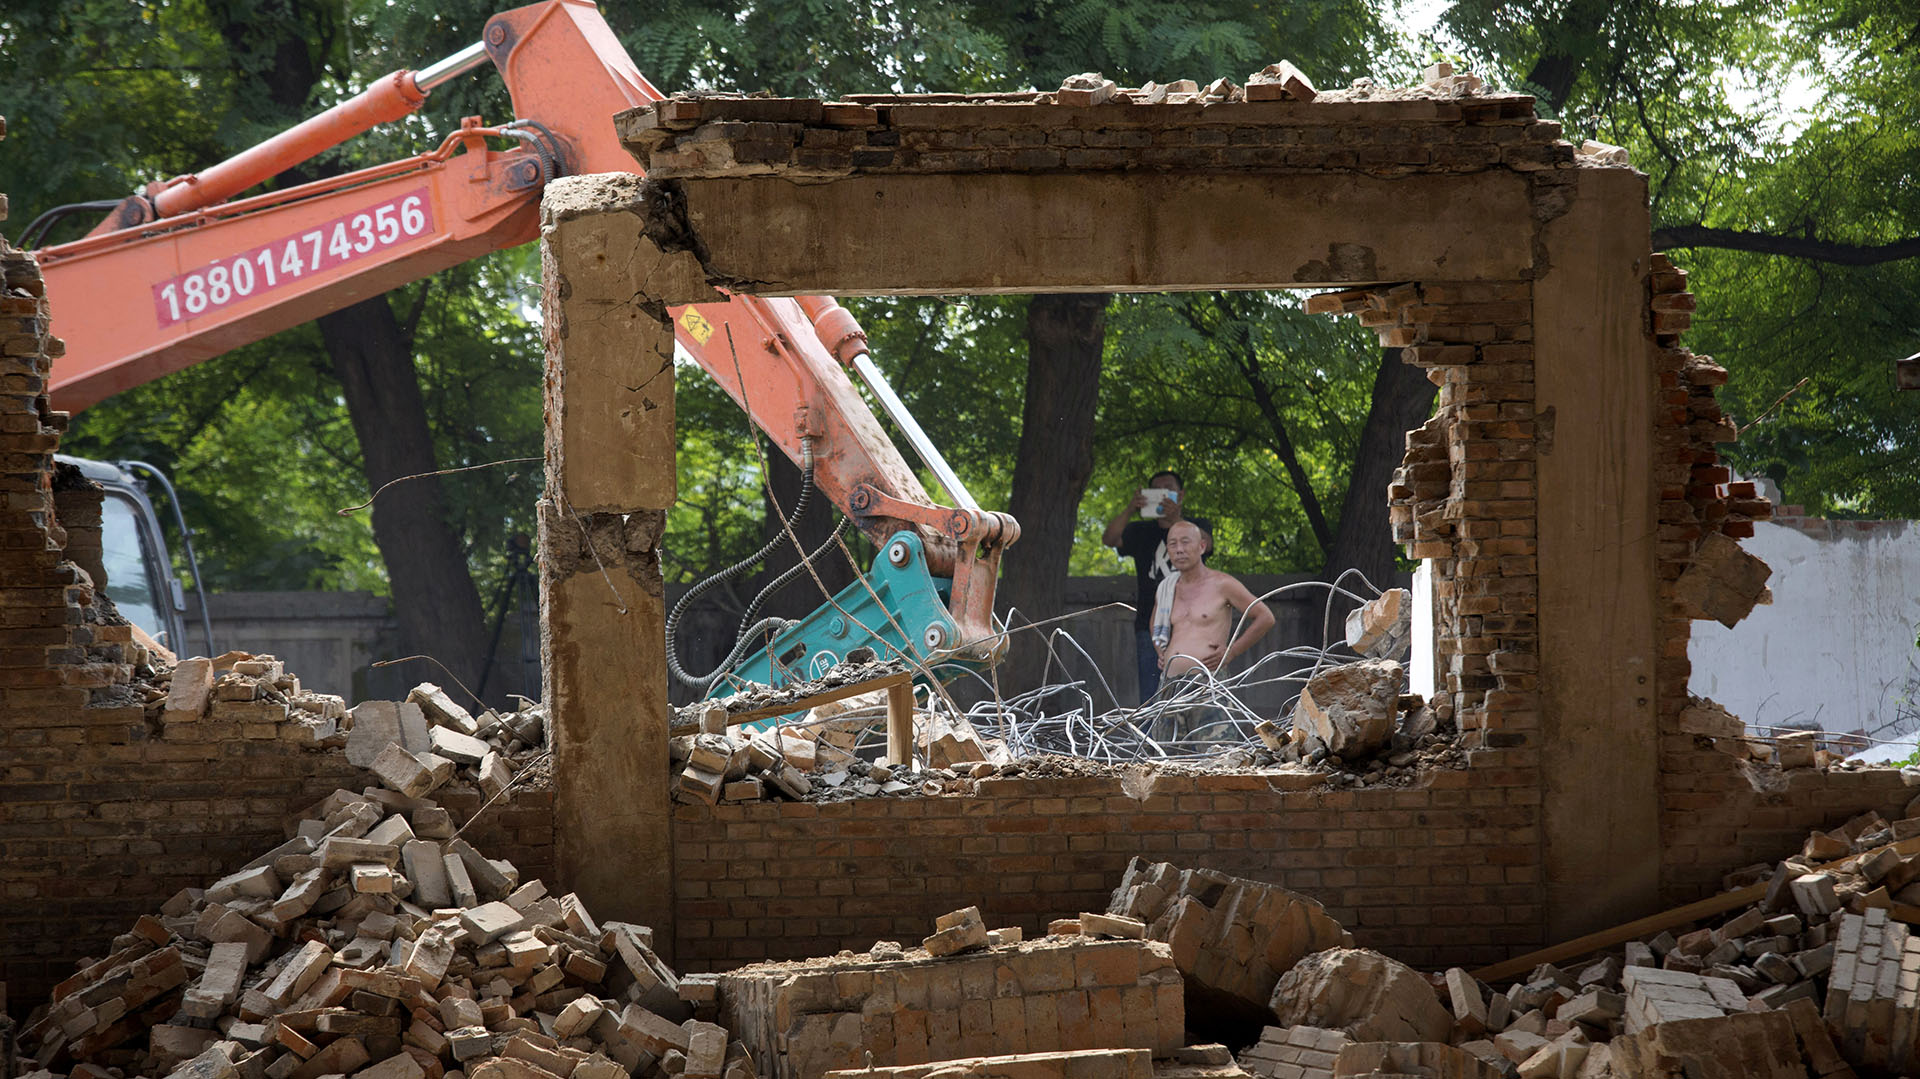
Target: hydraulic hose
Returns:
[[702, 682], [753, 609]]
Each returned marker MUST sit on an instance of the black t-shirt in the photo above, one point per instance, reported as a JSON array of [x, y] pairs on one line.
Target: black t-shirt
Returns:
[[1145, 542]]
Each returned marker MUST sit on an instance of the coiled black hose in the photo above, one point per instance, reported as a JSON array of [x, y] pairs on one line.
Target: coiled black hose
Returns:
[[702, 682]]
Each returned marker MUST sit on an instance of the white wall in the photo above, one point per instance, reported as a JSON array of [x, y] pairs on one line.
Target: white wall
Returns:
[[1836, 646]]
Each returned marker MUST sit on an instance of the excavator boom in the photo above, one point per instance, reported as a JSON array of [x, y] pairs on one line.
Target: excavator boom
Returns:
[[178, 274]]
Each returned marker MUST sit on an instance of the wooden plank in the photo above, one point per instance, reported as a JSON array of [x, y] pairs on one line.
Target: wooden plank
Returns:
[[899, 678], [1667, 919], [900, 724]]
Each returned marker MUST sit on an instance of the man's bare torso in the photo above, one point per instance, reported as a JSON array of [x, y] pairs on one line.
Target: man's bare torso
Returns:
[[1203, 621]]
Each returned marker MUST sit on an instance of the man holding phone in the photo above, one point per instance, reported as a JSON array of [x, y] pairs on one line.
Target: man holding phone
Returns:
[[1161, 504]]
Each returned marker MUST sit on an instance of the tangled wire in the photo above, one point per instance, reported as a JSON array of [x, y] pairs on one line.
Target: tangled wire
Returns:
[[1075, 711]]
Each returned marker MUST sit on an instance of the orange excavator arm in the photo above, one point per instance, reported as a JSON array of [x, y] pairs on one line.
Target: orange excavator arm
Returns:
[[178, 274]]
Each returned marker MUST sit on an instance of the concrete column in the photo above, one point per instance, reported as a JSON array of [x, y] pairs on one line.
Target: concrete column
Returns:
[[610, 479], [1598, 517]]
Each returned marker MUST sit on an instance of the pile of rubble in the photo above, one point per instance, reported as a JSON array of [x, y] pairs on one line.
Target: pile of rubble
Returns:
[[376, 943], [446, 743], [428, 740], [1355, 724], [1280, 81], [1356, 721], [238, 687], [1817, 978], [818, 756], [1231, 938]]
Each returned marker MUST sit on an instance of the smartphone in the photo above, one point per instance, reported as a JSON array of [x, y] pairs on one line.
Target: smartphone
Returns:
[[1157, 500]]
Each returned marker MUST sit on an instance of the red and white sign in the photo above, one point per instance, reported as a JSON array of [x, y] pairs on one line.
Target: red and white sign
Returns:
[[285, 261]]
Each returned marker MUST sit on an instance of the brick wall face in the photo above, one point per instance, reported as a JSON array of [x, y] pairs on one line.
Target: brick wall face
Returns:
[[1445, 873], [102, 818]]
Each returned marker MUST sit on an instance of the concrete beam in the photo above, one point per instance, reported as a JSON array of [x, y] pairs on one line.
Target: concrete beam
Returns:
[[610, 479], [1598, 518], [1110, 231]]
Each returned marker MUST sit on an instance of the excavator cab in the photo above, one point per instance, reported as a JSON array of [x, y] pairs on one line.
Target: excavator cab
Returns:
[[133, 553]]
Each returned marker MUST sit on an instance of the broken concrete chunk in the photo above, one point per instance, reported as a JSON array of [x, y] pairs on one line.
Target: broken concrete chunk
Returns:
[[1112, 925], [1655, 996], [1596, 1006], [650, 1032], [578, 1016], [1085, 89], [1279, 81], [715, 753], [1601, 153], [490, 921], [376, 725], [1744, 1045], [300, 972], [701, 784], [399, 770], [261, 883], [458, 747], [191, 690], [1724, 582], [1469, 1005], [1372, 997], [1814, 894], [957, 938], [441, 710], [1383, 627], [1352, 707], [342, 853], [494, 774], [1231, 937]]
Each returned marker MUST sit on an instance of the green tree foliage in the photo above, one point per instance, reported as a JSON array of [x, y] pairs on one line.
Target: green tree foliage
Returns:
[[1257, 404], [1779, 142]]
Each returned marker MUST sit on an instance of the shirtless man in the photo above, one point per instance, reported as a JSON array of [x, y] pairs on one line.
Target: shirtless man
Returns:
[[1206, 606]]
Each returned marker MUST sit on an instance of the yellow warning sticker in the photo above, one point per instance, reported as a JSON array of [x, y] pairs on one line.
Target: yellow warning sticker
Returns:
[[699, 328]]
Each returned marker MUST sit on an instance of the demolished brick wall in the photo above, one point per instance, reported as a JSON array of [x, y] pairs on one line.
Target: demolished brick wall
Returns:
[[101, 801], [1467, 498], [1434, 874], [890, 1008], [107, 807]]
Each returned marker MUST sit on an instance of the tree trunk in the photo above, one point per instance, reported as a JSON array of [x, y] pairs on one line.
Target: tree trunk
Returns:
[[280, 46], [1065, 336], [433, 592], [1568, 44], [801, 596], [1402, 398]]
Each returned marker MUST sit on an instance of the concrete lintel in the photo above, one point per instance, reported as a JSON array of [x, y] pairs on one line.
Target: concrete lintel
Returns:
[[1118, 231], [1598, 519]]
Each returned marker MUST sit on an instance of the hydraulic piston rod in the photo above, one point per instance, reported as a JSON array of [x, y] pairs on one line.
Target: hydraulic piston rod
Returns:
[[922, 445], [848, 343], [388, 99]]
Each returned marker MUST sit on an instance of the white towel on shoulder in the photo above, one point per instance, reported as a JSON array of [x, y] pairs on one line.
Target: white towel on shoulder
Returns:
[[1161, 626]]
